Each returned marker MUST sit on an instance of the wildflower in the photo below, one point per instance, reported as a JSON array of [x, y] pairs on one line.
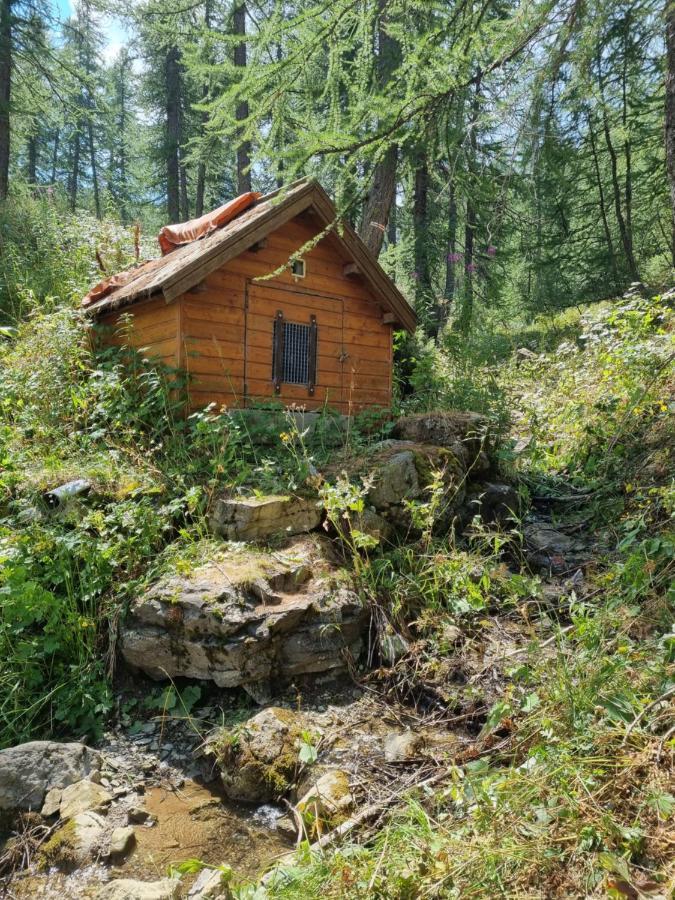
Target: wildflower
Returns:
[[285, 437], [416, 275], [491, 250], [471, 268], [454, 258]]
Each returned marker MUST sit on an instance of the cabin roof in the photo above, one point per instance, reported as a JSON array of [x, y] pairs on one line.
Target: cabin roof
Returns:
[[187, 265]]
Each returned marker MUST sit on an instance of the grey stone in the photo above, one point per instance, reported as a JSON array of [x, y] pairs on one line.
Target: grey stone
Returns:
[[81, 797], [213, 625], [551, 550], [121, 841], [258, 518], [52, 802], [395, 480], [327, 798], [130, 889], [400, 747], [29, 770], [258, 760], [209, 885], [493, 502], [465, 433]]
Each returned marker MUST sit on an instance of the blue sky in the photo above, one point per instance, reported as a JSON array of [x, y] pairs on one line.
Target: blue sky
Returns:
[[114, 33]]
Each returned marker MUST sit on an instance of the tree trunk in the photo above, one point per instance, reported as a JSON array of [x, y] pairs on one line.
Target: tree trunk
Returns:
[[450, 262], [670, 114], [383, 186], [5, 92], [244, 147], [55, 156], [184, 202], [75, 170], [172, 85], [601, 194], [204, 119], [420, 230], [466, 314], [380, 201], [94, 171], [32, 159]]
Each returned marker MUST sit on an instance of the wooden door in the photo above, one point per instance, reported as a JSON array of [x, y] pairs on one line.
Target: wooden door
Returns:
[[294, 346]]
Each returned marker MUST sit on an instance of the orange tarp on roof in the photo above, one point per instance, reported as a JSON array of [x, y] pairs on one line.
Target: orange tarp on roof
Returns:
[[172, 236], [186, 232]]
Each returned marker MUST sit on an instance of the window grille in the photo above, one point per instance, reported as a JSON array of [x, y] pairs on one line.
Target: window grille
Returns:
[[294, 353]]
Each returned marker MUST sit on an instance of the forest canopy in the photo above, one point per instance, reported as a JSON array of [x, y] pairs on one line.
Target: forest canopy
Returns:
[[503, 158]]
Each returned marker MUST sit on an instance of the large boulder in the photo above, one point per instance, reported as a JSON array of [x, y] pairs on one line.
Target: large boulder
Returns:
[[29, 771], [465, 433], [259, 759], [258, 518], [398, 472], [247, 616]]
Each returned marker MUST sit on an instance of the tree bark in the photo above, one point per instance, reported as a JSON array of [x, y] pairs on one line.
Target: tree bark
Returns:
[[5, 92], [421, 233], [379, 202], [670, 115], [32, 159], [450, 263], [172, 86], [383, 186], [55, 155], [94, 171], [244, 147], [204, 119], [471, 221], [75, 170], [601, 194]]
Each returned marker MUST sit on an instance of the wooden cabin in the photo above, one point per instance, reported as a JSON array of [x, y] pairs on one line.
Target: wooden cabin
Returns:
[[318, 331]]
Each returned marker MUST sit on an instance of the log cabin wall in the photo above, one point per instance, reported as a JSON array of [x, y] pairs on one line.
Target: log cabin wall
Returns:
[[153, 325], [226, 327]]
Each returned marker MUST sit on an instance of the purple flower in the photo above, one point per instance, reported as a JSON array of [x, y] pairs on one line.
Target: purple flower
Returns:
[[491, 250], [471, 268], [415, 275], [454, 258]]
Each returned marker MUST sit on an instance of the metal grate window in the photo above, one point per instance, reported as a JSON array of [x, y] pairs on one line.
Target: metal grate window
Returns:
[[295, 368], [294, 353]]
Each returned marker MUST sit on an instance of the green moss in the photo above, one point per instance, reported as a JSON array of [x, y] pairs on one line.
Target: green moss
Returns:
[[59, 850]]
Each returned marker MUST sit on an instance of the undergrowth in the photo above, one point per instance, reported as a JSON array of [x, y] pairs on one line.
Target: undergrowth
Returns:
[[576, 799]]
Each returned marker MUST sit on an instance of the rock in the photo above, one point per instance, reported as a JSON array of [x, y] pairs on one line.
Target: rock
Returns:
[[52, 802], [375, 526], [258, 761], [210, 884], [392, 645], [248, 617], [402, 471], [29, 771], [400, 747], [465, 433], [258, 518], [121, 841], [450, 634], [137, 815], [82, 796], [396, 480], [129, 889], [327, 802], [495, 503], [551, 550], [286, 827], [75, 843]]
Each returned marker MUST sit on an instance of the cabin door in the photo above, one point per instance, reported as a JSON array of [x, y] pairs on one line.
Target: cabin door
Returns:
[[294, 347]]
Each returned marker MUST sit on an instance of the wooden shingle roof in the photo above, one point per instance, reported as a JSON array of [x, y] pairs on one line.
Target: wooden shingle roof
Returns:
[[187, 265]]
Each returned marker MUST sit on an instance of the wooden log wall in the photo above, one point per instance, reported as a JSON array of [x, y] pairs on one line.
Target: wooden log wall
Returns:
[[205, 330], [214, 328]]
